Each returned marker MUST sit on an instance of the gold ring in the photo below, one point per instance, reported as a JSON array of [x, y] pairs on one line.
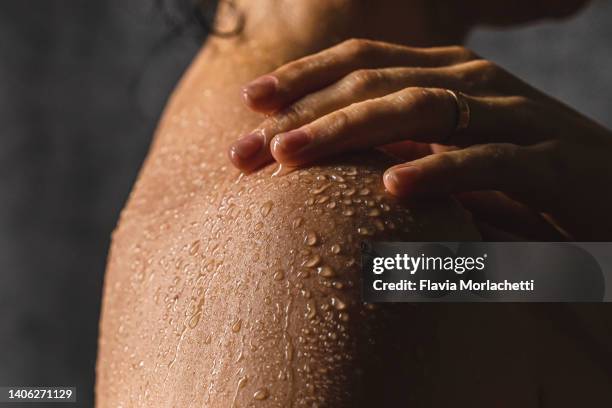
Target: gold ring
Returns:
[[463, 110]]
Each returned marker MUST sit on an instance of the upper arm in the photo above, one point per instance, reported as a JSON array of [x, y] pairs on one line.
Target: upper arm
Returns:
[[249, 293], [302, 290]]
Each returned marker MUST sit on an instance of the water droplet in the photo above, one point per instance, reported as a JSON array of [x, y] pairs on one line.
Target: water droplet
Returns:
[[323, 199], [298, 222], [194, 320], [281, 171], [258, 226], [310, 388], [374, 212], [331, 205], [335, 249], [312, 261], [364, 231], [195, 248], [311, 238], [344, 316], [337, 303], [364, 191], [310, 201], [349, 212], [266, 208], [326, 272], [237, 326], [311, 310], [261, 394], [320, 189], [279, 275], [349, 192], [289, 351]]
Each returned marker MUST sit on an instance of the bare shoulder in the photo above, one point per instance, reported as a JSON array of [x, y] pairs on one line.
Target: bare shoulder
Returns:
[[303, 239], [245, 289]]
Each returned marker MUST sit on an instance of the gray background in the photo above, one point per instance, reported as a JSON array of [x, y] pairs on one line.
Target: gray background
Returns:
[[81, 86]]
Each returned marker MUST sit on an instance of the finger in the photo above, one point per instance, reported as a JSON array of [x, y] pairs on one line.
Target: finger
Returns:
[[298, 78], [252, 151], [503, 167], [418, 114], [501, 211]]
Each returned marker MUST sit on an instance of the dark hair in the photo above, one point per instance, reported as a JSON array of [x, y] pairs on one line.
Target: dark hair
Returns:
[[185, 19], [196, 17]]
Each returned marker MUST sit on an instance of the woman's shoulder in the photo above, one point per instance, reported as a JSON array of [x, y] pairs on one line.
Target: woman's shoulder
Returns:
[[215, 258], [346, 199]]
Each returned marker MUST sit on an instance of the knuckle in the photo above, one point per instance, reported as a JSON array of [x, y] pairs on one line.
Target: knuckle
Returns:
[[528, 110], [463, 54], [526, 104], [449, 160], [291, 116], [358, 48], [423, 102], [486, 68], [294, 68], [503, 158], [363, 78], [338, 121], [479, 74], [501, 153]]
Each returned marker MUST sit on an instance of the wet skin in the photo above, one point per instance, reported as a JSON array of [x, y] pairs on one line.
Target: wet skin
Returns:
[[221, 285], [227, 290]]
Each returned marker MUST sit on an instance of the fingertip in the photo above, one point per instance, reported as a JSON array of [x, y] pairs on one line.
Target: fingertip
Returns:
[[235, 159], [402, 181], [287, 146], [249, 152], [259, 93]]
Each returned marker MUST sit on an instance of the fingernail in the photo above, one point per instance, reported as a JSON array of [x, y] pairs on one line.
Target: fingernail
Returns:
[[401, 180], [291, 142], [248, 146], [260, 89]]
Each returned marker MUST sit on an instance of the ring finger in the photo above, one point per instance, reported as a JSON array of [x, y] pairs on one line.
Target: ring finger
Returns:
[[356, 87], [427, 115]]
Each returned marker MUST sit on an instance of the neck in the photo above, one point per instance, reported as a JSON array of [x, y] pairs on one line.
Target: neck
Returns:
[[292, 28], [278, 31]]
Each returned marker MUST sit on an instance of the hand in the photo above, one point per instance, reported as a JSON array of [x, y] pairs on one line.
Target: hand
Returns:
[[362, 94]]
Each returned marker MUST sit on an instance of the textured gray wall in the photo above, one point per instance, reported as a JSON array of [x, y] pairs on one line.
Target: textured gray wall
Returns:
[[82, 84], [571, 60]]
